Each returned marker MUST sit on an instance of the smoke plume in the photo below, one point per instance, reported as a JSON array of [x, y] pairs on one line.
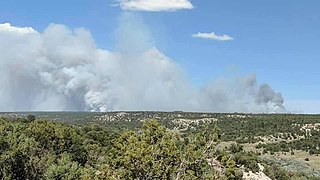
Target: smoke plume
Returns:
[[62, 69]]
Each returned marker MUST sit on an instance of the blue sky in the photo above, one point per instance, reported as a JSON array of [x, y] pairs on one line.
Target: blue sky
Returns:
[[277, 40]]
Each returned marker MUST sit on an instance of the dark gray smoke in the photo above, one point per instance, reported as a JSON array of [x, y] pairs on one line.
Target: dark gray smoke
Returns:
[[274, 100], [62, 69], [240, 95]]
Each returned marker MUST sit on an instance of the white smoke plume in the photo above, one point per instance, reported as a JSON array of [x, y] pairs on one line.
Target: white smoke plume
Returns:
[[62, 69]]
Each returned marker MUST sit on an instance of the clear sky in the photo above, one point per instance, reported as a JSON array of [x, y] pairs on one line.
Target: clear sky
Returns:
[[279, 40]]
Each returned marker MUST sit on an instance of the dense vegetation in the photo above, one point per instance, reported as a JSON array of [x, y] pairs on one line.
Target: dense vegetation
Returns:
[[32, 149], [287, 132], [156, 149]]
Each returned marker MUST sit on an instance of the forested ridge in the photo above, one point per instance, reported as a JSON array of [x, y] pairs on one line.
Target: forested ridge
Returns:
[[39, 149]]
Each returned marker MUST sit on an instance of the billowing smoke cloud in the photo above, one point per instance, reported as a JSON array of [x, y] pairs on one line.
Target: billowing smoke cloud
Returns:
[[62, 69], [240, 95]]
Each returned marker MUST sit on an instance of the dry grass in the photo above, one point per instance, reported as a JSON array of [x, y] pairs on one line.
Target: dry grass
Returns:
[[314, 161], [251, 147], [224, 144]]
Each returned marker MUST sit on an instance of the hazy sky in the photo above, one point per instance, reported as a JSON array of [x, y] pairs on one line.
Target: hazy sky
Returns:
[[278, 40]]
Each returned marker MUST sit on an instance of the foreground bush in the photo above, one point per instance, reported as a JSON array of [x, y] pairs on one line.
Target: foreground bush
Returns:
[[39, 149]]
